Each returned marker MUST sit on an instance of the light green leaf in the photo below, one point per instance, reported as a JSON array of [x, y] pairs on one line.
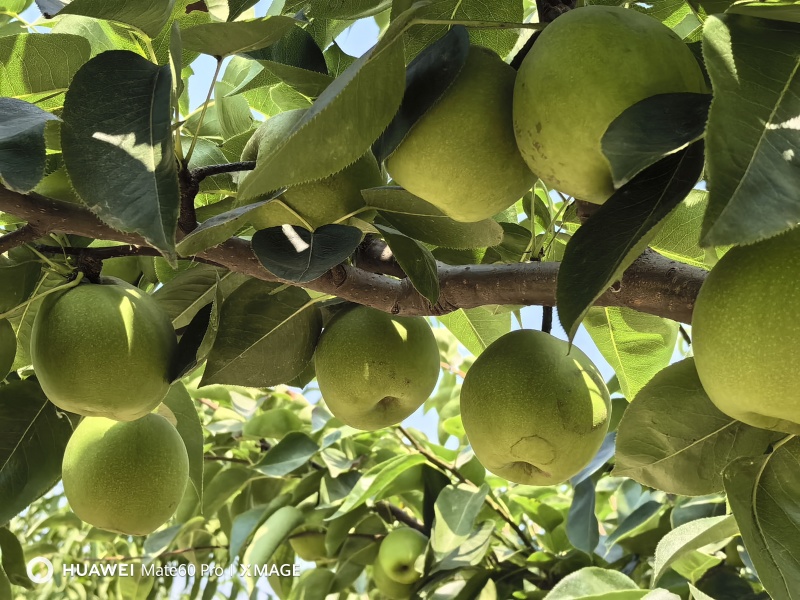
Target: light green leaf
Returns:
[[38, 65], [225, 39], [694, 564], [102, 35], [416, 218], [347, 9], [782, 10], [753, 176], [147, 15], [500, 40], [265, 336], [596, 583], [476, 328], [182, 406], [273, 423], [455, 509], [635, 344], [223, 486], [674, 439], [272, 534], [764, 494], [246, 523], [5, 586], [691, 536], [309, 83], [292, 452], [416, 261], [34, 436], [117, 145], [697, 594], [471, 552], [336, 122], [376, 479], [14, 563]]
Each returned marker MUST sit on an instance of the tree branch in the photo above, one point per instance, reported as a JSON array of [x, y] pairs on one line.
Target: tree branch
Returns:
[[26, 233], [653, 284]]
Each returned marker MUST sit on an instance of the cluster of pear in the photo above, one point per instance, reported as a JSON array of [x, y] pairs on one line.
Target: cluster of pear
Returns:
[[103, 351], [475, 151], [534, 410]]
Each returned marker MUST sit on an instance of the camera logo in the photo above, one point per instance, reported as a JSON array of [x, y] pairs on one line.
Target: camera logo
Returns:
[[40, 570]]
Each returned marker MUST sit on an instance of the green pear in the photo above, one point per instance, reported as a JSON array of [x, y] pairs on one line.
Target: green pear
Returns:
[[399, 552], [309, 544], [461, 155], [125, 477], [8, 347], [375, 369], [387, 586], [534, 410], [745, 331], [584, 70], [313, 203], [103, 350]]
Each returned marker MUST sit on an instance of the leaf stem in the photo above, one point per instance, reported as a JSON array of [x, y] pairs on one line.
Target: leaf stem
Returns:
[[203, 112], [480, 24], [66, 286]]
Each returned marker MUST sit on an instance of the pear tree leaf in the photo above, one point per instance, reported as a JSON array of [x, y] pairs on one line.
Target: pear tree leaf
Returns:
[[228, 10], [679, 236], [297, 48], [266, 336], [5, 586], [764, 495], [308, 83], [223, 486], [456, 509], [101, 35], [22, 148], [651, 129], [337, 60], [416, 261], [427, 78], [292, 452], [36, 65], [272, 423], [630, 524], [221, 227], [781, 10], [25, 315], [594, 258], [674, 439], [182, 406], [193, 289], [635, 344], [347, 9], [149, 16], [689, 537], [207, 153], [697, 594], [417, 219], [295, 254], [186, 14], [35, 434], [269, 536], [375, 480], [117, 145], [501, 41], [476, 328], [595, 583], [336, 122], [246, 523], [471, 552], [14, 563], [225, 39], [754, 175], [583, 529]]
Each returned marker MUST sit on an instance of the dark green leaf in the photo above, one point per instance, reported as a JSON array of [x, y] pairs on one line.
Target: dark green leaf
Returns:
[[633, 521], [265, 336], [416, 261], [225, 39], [428, 76], [308, 83], [186, 356], [292, 452], [674, 439], [117, 145], [781, 10], [22, 149], [753, 175], [347, 9], [582, 525], [652, 129], [764, 494], [14, 563], [600, 251], [34, 436], [296, 48], [293, 253]]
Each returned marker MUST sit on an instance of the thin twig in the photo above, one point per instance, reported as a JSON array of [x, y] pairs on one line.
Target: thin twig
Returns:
[[400, 515]]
